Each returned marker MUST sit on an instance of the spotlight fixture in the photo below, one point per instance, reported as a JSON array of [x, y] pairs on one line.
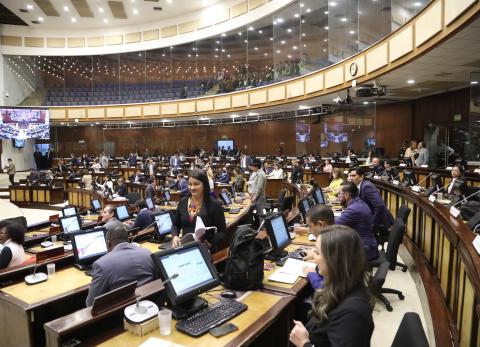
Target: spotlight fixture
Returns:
[[410, 81]]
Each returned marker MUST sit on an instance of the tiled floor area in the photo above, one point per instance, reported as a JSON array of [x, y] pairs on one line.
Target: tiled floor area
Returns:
[[386, 323]]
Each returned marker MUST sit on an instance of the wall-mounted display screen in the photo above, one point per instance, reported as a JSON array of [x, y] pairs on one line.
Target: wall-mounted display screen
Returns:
[[24, 123], [226, 144]]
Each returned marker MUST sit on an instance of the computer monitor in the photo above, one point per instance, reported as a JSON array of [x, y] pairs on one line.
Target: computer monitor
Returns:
[[121, 213], [279, 236], [166, 195], [191, 272], [69, 211], [225, 198], [409, 179], [150, 204], [163, 225], [88, 246], [95, 205], [70, 224], [318, 196], [304, 206]]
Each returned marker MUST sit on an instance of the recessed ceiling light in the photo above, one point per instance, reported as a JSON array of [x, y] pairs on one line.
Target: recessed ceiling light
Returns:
[[66, 9], [29, 7], [326, 12], [169, 1], [278, 51], [326, 28], [295, 47], [332, 3], [301, 5], [223, 34], [289, 30], [265, 54], [135, 11], [251, 28], [296, 15], [40, 19], [308, 10], [473, 82], [74, 19], [417, 4], [352, 32], [100, 9], [105, 20], [280, 20], [343, 19], [410, 81], [365, 102]]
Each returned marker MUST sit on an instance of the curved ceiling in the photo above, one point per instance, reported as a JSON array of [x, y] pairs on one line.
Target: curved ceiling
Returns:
[[96, 14]]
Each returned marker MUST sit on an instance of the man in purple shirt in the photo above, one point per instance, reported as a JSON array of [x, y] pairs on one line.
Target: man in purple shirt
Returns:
[[357, 215]]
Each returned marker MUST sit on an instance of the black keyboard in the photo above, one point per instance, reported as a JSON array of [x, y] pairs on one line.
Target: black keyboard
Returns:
[[210, 317]]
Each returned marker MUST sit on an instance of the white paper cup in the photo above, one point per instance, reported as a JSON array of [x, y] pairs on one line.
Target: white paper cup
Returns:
[[165, 321], [51, 270]]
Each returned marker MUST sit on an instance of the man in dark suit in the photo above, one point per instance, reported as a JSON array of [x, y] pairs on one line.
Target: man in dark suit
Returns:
[[357, 215], [132, 160], [144, 215], [224, 176], [182, 185], [297, 173], [458, 185], [377, 166], [122, 188], [382, 218], [137, 177], [123, 264], [390, 171], [150, 190]]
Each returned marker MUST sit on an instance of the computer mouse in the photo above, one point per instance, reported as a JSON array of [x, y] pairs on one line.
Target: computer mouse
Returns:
[[229, 294]]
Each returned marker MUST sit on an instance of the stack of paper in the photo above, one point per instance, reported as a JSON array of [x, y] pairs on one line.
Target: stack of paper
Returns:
[[290, 272]]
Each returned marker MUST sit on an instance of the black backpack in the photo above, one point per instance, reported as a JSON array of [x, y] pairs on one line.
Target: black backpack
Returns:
[[244, 267]]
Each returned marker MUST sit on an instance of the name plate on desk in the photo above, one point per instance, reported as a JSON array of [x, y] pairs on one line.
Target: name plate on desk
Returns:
[[49, 253], [395, 182], [455, 212], [477, 171], [416, 189], [432, 198], [403, 165], [476, 244], [376, 177], [424, 165], [448, 168]]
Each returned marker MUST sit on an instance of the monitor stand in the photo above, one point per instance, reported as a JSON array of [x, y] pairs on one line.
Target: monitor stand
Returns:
[[83, 267], [188, 308], [276, 255]]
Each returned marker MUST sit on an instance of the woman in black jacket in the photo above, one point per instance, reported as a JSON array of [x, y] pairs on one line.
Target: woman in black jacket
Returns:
[[199, 204], [341, 313]]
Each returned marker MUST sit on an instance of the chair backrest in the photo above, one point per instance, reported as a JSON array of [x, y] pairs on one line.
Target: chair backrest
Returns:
[[281, 196], [403, 213], [133, 197], [410, 332], [380, 275], [395, 239]]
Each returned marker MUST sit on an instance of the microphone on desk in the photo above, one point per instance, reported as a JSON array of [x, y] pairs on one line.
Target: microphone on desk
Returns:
[[399, 174], [138, 233], [430, 174], [463, 198], [36, 277]]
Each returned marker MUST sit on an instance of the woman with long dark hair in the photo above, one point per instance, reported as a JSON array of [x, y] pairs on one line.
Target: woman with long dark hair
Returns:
[[199, 204], [341, 313]]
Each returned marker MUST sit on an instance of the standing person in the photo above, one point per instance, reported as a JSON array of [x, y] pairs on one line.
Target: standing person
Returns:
[[297, 172], [422, 155], [342, 310], [37, 156], [11, 171], [87, 179], [408, 157], [328, 168], [199, 203], [259, 184]]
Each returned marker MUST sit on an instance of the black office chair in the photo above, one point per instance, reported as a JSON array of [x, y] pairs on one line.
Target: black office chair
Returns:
[[133, 197], [272, 203], [395, 239], [377, 286], [403, 213], [410, 332]]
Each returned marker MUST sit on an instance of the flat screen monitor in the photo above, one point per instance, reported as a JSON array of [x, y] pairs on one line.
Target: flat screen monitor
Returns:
[[121, 213], [318, 196], [163, 224], [304, 206], [90, 245], [277, 231], [69, 211], [191, 272], [18, 143], [225, 198], [149, 202], [70, 224], [226, 144], [96, 205], [24, 123]]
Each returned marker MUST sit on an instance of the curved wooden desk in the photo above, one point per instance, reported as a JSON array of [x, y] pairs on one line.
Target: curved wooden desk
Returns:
[[447, 263]]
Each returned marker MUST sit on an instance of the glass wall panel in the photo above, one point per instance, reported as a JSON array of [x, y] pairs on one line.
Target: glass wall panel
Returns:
[[132, 77], [184, 75], [314, 35], [260, 53], [374, 21], [106, 80], [208, 65], [233, 51], [159, 74], [286, 42], [78, 78]]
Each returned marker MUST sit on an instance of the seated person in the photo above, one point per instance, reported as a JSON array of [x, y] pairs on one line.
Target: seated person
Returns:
[[87, 179], [123, 264], [144, 215], [357, 215], [122, 188], [328, 168], [182, 185], [377, 166], [277, 172], [457, 174], [137, 177], [224, 176], [342, 311], [318, 217], [108, 217], [199, 203], [12, 236], [336, 182], [238, 181], [390, 171]]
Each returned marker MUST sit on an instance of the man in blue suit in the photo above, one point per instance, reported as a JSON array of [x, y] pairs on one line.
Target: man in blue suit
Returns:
[[182, 185], [357, 215], [382, 218], [144, 215]]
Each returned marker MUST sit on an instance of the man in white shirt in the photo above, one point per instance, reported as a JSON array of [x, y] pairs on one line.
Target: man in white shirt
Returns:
[[457, 175]]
